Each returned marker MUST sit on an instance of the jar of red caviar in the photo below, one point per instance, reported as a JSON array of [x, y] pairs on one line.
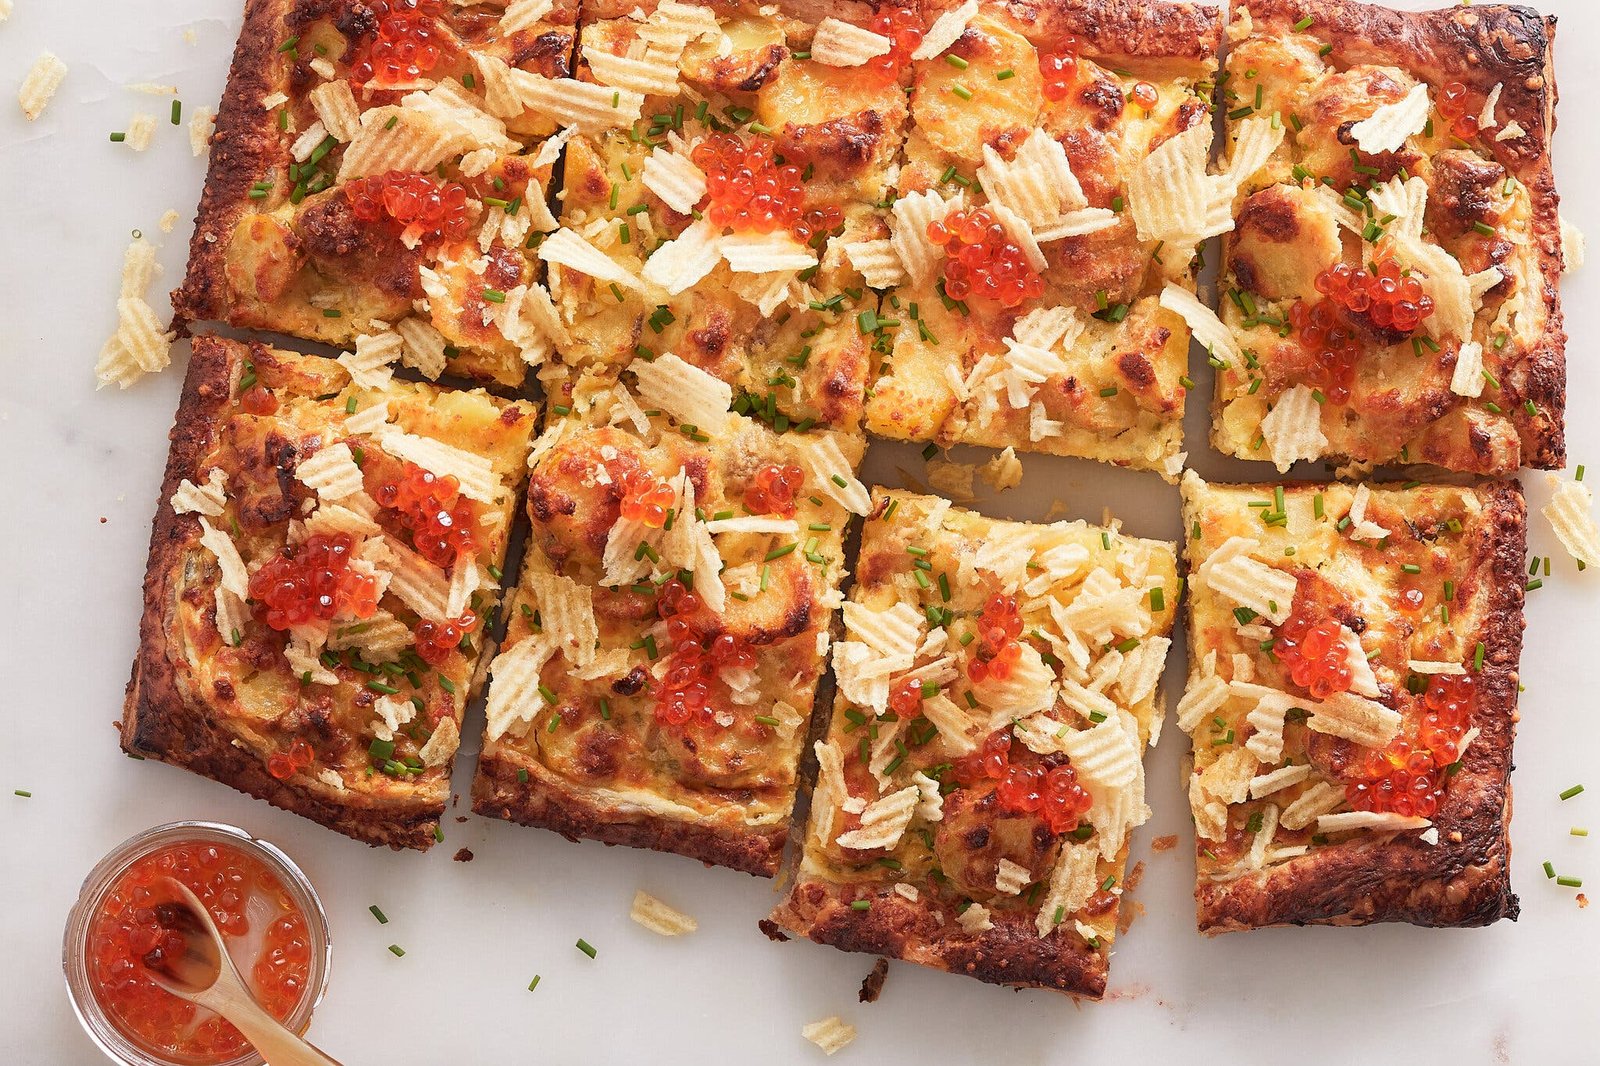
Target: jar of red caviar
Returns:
[[270, 918]]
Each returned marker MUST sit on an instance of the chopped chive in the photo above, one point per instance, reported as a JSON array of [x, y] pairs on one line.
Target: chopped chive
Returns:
[[586, 947], [383, 919], [534, 983], [397, 951], [1549, 870], [861, 905], [1570, 882], [1573, 791], [177, 112]]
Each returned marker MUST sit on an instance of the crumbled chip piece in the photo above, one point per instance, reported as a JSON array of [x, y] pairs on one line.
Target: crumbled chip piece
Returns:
[[1360, 527], [514, 696], [1388, 127], [336, 107], [590, 107], [884, 821], [1379, 821], [1321, 798], [876, 262], [1002, 472], [1293, 428], [683, 390], [44, 78], [1277, 780], [441, 745], [139, 268], [945, 31], [1355, 718], [1569, 513], [371, 364], [568, 249], [975, 919], [475, 474], [208, 499], [1074, 879], [1203, 323], [235, 578], [658, 917], [331, 472], [825, 464], [1573, 246], [830, 1034], [837, 43], [201, 125]]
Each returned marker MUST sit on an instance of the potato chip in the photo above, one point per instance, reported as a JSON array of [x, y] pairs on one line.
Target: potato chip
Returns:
[[1321, 798], [566, 248], [894, 633], [330, 471], [514, 684], [235, 578], [336, 108], [1293, 428], [371, 364], [1078, 223], [1011, 878], [331, 519], [566, 614], [141, 334], [400, 138], [1252, 584], [976, 918], [1172, 198], [41, 83], [1387, 128], [1573, 246], [475, 474], [1021, 234], [306, 664], [1267, 718], [465, 579], [208, 499], [1258, 137], [307, 142], [392, 714], [684, 391], [830, 472], [1102, 755], [683, 262], [1037, 184], [590, 107], [674, 178], [1355, 718], [1204, 325], [522, 15], [762, 253], [1075, 878], [1142, 669], [884, 821], [830, 1034], [658, 917], [422, 346], [418, 584], [500, 95], [1377, 821], [1229, 775], [839, 44], [654, 74], [1002, 472], [876, 262], [1278, 780], [1570, 517], [909, 234], [442, 744]]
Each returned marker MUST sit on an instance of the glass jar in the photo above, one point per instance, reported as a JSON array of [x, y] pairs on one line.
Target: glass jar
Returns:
[[96, 1021]]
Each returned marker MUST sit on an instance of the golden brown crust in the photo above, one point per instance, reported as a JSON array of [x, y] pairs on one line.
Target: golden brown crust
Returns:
[[1127, 28], [1480, 46], [1011, 953], [1463, 879], [243, 146], [161, 720], [546, 801]]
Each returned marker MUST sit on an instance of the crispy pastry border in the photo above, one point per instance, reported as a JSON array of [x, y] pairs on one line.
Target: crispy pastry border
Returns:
[[1479, 46], [163, 717], [1464, 879]]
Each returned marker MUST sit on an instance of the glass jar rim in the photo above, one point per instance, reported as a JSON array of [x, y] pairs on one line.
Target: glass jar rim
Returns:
[[99, 1026]]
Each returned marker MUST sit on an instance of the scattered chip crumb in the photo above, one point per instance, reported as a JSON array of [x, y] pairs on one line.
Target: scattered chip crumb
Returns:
[[190, 37], [463, 855], [41, 84], [5, 10], [1002, 472], [153, 88], [830, 1034], [1166, 843], [951, 480], [141, 128], [659, 917], [169, 220], [200, 127], [872, 986]]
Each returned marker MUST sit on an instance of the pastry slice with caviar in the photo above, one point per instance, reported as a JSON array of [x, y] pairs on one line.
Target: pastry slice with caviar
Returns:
[[381, 170], [1049, 205], [1352, 696], [655, 684], [723, 200], [1390, 285], [980, 775], [323, 564]]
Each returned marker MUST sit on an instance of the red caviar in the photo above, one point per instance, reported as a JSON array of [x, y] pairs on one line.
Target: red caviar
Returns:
[[905, 700], [1060, 69], [1454, 104], [774, 490], [1410, 774], [241, 893], [291, 760], [697, 657], [645, 497], [1050, 786], [432, 508], [420, 207], [409, 43], [1144, 94], [437, 639], [904, 30], [1314, 654], [981, 259], [313, 581], [999, 626], [1388, 296], [256, 400], [1332, 344], [748, 188]]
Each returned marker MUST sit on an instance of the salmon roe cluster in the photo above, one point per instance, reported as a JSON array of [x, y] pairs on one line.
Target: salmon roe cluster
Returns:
[[1060, 69], [134, 923], [981, 259], [645, 497], [1332, 344], [1049, 787], [999, 626], [1388, 296], [422, 208], [1410, 774], [774, 490], [905, 699], [313, 581], [256, 400], [1315, 655], [1453, 103], [904, 30], [685, 691], [747, 188], [291, 760], [409, 43], [436, 639], [432, 509]]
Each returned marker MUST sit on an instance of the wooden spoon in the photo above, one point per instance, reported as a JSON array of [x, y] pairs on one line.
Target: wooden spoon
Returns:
[[204, 975]]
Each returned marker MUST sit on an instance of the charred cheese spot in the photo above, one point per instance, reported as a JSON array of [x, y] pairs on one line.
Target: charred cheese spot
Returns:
[[974, 835], [1278, 67], [1108, 263], [342, 246], [1284, 236], [839, 119], [264, 257], [571, 509], [731, 757], [1464, 189], [999, 113], [756, 56]]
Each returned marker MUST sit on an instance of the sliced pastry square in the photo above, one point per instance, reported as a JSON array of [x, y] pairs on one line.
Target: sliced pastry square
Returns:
[[671, 622], [324, 559], [1390, 284], [982, 769], [1352, 697], [1048, 212], [385, 170], [724, 200]]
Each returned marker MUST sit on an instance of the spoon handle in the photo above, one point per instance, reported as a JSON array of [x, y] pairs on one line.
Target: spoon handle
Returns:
[[277, 1044]]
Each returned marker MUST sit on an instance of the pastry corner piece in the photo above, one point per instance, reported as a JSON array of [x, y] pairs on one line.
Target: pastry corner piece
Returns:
[[1046, 215], [311, 629], [351, 194], [982, 769], [670, 625], [1391, 281], [1352, 699]]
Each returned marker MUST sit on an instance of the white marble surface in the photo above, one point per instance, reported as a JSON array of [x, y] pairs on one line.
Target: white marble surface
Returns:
[[83, 472]]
